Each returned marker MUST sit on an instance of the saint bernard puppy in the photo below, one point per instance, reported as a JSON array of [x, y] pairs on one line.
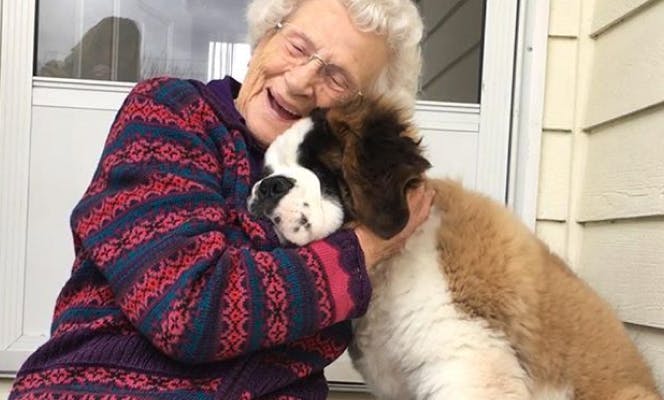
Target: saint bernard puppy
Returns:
[[475, 306]]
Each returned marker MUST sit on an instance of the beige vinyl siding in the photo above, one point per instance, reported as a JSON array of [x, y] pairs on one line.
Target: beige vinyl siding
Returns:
[[564, 18], [556, 162], [627, 72], [651, 343], [609, 13], [558, 136], [624, 177], [623, 261], [554, 233], [560, 86], [601, 202]]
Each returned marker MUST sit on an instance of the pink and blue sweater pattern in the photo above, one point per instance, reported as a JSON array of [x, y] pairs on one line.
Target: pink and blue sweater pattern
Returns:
[[176, 291]]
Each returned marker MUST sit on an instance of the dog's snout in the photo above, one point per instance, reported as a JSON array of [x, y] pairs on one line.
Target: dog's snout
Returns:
[[275, 187]]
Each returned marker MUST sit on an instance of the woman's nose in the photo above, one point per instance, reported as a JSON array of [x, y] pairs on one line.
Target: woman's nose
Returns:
[[301, 79]]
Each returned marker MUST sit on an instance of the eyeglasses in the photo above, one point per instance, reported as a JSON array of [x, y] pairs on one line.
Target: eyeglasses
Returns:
[[299, 50]]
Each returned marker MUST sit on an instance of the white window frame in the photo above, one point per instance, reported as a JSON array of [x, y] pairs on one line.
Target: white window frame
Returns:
[[524, 104]]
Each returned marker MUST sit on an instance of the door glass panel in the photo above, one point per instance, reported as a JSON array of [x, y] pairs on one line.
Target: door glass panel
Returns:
[[129, 40], [452, 49]]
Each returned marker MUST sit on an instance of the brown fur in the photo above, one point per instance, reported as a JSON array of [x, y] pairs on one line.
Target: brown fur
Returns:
[[497, 270], [379, 163], [563, 333]]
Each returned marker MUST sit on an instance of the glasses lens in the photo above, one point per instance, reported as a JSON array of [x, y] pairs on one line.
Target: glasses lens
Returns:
[[336, 80], [299, 48]]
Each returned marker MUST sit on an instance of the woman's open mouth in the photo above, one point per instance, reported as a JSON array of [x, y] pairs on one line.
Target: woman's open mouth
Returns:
[[283, 112]]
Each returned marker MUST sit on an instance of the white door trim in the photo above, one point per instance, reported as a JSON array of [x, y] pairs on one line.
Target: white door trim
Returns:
[[496, 97], [528, 109], [16, 59]]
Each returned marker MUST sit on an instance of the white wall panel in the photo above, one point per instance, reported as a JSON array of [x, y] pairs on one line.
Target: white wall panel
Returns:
[[65, 147]]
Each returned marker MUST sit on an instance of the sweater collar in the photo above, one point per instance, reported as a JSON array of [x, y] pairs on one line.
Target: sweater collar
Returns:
[[224, 92]]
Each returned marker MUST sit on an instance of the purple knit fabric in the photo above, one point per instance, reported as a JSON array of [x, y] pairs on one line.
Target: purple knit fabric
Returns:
[[176, 291]]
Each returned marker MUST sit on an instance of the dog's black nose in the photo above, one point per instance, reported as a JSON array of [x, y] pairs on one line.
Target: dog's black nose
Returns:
[[275, 187]]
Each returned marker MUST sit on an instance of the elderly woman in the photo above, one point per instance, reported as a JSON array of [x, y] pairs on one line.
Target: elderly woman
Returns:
[[176, 291]]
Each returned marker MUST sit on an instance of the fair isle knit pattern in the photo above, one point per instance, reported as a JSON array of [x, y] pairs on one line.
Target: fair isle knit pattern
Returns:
[[176, 291]]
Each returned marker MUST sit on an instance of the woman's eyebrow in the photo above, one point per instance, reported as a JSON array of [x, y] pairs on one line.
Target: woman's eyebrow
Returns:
[[333, 66], [302, 35]]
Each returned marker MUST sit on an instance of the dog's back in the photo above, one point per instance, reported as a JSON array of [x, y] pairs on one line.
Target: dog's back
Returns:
[[563, 333], [475, 307]]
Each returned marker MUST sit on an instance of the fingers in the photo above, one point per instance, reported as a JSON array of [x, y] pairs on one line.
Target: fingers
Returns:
[[420, 201]]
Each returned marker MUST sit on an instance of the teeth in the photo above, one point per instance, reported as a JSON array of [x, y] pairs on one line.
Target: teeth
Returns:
[[292, 113], [288, 111]]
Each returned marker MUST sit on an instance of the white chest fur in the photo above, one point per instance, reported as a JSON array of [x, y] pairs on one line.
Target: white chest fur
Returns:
[[413, 343]]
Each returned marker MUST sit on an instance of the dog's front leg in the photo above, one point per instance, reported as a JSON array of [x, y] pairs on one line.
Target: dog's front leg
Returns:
[[471, 375]]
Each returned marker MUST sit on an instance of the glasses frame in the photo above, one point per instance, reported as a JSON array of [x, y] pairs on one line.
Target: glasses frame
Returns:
[[313, 55]]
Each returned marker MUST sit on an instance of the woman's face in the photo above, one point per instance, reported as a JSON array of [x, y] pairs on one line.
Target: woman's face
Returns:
[[278, 90]]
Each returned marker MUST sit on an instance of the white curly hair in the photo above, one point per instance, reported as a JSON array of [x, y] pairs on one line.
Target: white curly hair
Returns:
[[398, 20]]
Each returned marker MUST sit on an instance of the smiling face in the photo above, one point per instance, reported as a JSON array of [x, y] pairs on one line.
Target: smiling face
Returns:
[[277, 92]]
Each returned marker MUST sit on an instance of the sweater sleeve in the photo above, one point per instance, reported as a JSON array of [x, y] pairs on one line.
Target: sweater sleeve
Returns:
[[187, 265]]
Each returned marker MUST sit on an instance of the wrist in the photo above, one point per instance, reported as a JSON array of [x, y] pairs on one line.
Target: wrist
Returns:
[[367, 246]]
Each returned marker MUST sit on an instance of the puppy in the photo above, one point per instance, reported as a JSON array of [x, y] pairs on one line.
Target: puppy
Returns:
[[475, 306]]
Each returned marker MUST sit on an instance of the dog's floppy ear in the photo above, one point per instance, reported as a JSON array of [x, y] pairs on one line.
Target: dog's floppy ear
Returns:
[[380, 165]]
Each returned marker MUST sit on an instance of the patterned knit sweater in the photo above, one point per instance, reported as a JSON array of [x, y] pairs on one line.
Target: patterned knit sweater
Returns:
[[176, 291]]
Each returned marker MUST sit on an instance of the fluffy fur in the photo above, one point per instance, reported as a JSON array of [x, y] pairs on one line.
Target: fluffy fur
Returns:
[[475, 306]]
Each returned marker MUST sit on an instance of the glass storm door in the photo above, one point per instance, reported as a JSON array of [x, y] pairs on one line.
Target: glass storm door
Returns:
[[68, 64]]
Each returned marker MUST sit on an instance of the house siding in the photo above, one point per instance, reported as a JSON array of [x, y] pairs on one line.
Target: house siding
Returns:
[[601, 203]]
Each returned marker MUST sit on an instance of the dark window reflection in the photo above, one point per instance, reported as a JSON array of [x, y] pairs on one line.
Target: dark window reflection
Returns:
[[452, 49], [130, 40], [97, 55]]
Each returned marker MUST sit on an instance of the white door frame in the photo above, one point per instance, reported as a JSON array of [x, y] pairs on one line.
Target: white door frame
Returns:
[[16, 57], [500, 29], [528, 109], [520, 96]]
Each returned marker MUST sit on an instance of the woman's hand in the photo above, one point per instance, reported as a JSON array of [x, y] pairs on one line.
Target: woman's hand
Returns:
[[377, 249]]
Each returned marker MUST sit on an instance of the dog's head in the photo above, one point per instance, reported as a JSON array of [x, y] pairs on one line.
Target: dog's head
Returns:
[[351, 164]]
